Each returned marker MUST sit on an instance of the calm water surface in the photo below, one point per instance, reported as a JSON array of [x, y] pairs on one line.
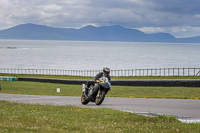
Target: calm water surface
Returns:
[[80, 55]]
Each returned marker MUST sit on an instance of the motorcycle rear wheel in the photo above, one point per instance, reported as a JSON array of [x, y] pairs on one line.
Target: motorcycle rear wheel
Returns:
[[84, 101], [100, 97]]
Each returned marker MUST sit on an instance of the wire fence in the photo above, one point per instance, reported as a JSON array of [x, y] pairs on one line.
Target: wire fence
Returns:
[[115, 73]]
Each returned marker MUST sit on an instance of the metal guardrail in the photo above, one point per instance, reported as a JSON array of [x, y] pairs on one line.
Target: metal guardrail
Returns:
[[167, 83], [115, 73]]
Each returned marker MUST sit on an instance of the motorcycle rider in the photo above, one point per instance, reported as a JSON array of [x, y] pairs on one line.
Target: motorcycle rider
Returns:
[[105, 73]]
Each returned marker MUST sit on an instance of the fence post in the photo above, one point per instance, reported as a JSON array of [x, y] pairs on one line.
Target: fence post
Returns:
[[160, 71], [164, 71], [143, 71], [178, 71]]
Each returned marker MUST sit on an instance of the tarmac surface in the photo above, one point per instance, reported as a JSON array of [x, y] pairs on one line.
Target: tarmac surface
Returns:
[[186, 110]]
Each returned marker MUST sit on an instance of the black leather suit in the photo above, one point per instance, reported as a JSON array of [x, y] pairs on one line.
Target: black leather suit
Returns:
[[97, 77]]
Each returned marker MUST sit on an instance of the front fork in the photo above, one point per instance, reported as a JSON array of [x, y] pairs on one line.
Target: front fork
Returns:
[[98, 93]]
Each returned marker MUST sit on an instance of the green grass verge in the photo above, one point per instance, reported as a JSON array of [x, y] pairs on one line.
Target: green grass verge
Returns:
[[38, 88], [21, 118], [46, 76], [89, 78]]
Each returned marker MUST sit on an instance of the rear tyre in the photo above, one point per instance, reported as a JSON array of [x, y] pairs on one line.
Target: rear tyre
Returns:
[[84, 101], [100, 97]]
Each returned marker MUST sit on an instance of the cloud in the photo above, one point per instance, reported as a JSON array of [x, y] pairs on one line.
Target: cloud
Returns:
[[184, 7], [76, 13], [178, 32], [51, 8]]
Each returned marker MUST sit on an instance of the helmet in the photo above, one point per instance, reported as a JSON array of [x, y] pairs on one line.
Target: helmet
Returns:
[[106, 70]]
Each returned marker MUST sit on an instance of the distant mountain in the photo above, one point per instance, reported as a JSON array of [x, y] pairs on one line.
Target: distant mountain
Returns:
[[189, 40], [34, 32], [89, 33]]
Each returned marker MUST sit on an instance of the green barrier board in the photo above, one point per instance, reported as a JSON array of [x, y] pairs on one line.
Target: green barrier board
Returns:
[[7, 78]]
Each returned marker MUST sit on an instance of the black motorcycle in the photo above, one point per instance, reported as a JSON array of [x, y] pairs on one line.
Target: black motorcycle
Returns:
[[98, 97]]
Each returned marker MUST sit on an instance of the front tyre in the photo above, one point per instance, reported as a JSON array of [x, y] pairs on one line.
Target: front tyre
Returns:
[[84, 101], [100, 97]]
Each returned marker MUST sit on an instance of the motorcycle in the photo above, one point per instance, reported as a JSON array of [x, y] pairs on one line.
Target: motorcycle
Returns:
[[98, 96]]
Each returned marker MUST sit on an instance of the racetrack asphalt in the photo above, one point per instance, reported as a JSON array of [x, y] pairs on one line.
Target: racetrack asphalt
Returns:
[[184, 109]]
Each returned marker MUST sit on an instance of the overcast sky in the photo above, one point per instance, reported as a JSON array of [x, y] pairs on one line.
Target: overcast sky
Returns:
[[181, 18]]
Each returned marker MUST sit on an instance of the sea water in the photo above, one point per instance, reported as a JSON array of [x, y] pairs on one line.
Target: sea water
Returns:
[[92, 55]]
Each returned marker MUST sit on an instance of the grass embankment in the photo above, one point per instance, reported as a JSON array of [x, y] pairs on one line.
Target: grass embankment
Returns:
[[47, 76], [38, 88], [89, 78], [18, 117]]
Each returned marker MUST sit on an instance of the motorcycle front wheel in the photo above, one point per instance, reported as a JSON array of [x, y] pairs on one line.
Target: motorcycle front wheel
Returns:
[[83, 100], [100, 97]]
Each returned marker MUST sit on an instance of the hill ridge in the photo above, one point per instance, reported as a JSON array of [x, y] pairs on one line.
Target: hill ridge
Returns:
[[32, 31]]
